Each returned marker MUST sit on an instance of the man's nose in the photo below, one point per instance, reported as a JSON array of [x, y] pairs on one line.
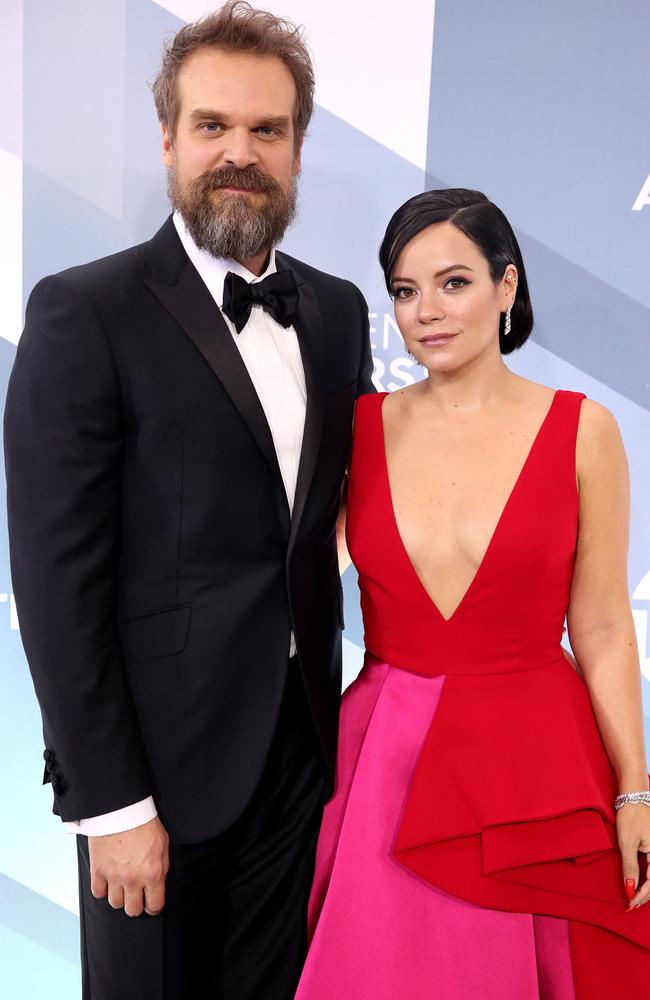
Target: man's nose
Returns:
[[239, 149]]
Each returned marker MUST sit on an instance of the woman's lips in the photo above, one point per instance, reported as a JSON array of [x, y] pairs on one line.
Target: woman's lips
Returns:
[[437, 339]]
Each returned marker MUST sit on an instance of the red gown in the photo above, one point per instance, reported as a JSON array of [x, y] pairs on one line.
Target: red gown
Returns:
[[510, 803]]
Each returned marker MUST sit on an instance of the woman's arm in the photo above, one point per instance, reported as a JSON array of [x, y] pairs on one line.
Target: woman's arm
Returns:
[[601, 628]]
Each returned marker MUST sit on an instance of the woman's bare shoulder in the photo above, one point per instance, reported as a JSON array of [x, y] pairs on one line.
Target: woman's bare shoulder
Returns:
[[600, 452], [597, 426]]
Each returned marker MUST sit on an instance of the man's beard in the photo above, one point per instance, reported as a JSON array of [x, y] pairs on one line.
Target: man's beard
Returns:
[[234, 227]]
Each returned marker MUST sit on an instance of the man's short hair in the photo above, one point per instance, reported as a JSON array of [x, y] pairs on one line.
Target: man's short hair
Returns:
[[238, 27]]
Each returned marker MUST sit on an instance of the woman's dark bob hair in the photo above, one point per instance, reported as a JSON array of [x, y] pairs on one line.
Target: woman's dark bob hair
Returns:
[[484, 224]]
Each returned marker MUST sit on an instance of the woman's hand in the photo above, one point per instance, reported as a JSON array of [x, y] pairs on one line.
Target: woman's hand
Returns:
[[633, 831]]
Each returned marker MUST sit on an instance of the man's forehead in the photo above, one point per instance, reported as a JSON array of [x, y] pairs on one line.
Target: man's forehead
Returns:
[[216, 69]]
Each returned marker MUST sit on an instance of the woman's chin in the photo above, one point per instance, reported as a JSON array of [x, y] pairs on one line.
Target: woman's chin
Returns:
[[445, 364]]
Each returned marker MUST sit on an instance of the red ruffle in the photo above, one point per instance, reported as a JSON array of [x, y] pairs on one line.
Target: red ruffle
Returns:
[[537, 837]]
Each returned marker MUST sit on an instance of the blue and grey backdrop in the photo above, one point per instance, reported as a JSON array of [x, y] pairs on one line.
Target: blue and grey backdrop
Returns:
[[542, 106]]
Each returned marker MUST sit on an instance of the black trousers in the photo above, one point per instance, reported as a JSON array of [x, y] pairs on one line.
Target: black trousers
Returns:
[[235, 916]]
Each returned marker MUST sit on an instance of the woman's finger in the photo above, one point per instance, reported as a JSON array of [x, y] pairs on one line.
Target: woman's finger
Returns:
[[642, 896], [630, 859]]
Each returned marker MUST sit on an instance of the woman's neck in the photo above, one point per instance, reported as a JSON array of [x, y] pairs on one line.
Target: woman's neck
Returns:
[[470, 388]]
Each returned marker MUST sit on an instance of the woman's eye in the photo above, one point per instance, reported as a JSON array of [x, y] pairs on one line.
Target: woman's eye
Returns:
[[402, 293], [454, 283]]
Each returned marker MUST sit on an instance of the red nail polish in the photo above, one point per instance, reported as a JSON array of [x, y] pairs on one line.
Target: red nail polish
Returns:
[[630, 888]]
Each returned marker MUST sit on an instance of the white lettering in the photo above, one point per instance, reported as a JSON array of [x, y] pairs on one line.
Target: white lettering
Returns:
[[401, 368], [373, 329], [378, 374], [644, 196], [390, 326]]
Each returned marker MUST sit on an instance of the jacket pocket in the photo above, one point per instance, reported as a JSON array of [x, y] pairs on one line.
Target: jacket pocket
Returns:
[[156, 633]]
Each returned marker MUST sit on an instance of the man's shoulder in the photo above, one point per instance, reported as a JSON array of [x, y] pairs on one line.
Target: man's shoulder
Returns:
[[105, 282], [103, 269], [106, 275]]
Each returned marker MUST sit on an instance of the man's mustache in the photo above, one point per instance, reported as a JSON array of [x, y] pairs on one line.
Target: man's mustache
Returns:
[[249, 179]]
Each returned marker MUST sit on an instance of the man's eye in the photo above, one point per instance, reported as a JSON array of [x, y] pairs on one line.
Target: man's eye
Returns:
[[266, 130], [210, 126]]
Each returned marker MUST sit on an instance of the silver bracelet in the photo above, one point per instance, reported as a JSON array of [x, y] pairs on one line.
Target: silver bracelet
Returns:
[[634, 798]]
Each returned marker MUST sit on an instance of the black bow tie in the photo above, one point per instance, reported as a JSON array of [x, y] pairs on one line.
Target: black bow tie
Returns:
[[277, 294]]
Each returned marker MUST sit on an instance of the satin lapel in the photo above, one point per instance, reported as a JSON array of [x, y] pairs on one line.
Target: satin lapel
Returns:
[[309, 329], [190, 303]]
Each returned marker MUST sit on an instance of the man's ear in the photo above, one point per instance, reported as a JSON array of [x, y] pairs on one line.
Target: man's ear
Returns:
[[167, 146]]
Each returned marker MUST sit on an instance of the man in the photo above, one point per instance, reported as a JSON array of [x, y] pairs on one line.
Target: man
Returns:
[[177, 429]]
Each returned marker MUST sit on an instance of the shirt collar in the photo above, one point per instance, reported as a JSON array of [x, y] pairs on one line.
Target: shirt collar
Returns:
[[213, 270]]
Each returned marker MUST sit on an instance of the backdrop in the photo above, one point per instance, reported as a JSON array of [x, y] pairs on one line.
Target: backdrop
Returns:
[[542, 106]]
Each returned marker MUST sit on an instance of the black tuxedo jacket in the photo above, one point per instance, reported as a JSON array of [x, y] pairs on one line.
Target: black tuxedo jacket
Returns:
[[156, 568]]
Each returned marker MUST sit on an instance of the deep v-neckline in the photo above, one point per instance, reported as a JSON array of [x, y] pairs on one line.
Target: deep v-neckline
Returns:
[[495, 532]]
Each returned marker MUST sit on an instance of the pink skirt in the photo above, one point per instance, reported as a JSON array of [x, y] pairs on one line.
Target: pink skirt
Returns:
[[377, 931]]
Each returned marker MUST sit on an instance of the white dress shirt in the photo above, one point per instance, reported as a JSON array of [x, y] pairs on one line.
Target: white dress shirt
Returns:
[[272, 356]]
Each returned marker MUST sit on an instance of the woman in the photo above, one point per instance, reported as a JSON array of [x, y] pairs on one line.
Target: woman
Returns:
[[473, 848]]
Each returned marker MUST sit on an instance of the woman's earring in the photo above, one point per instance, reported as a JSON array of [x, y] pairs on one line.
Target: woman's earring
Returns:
[[508, 324]]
